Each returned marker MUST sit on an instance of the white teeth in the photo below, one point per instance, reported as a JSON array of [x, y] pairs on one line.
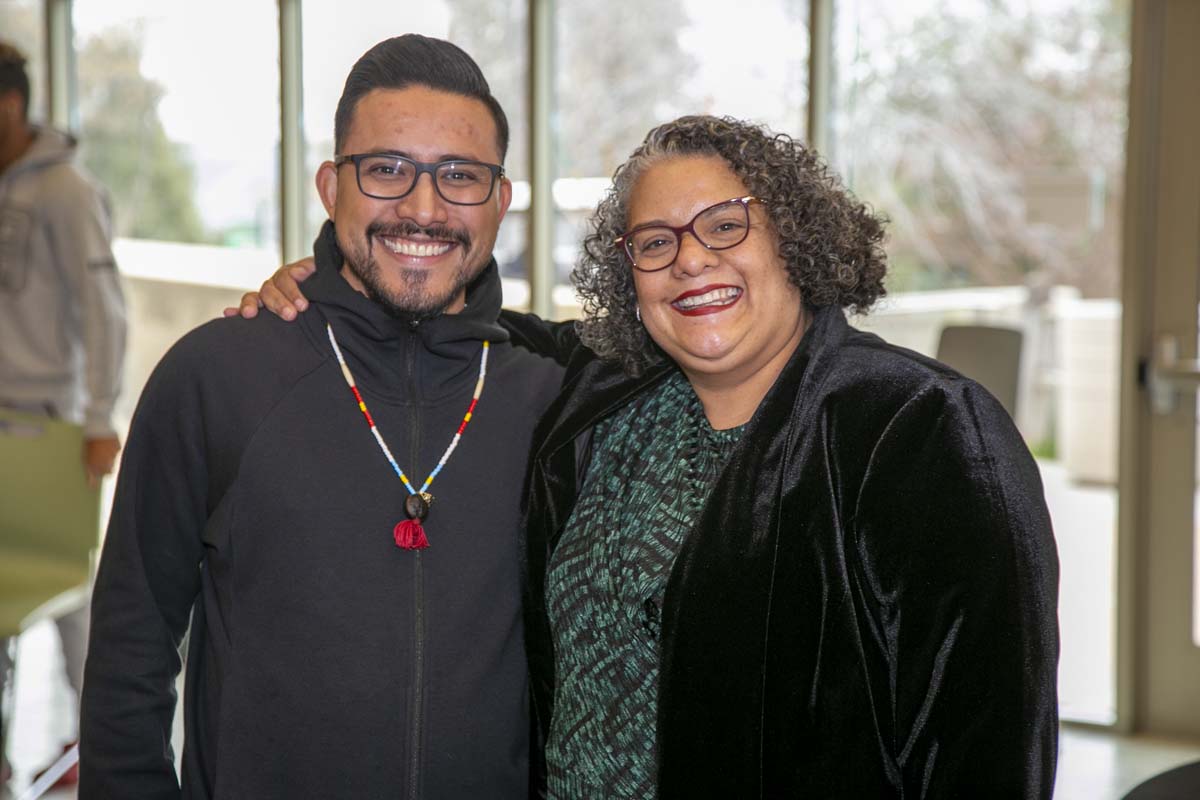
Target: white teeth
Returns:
[[407, 247], [717, 296]]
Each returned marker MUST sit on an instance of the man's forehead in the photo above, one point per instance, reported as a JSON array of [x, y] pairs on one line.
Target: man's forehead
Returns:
[[423, 123]]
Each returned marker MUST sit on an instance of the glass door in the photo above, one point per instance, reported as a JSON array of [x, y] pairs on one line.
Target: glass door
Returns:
[[992, 134], [1160, 640]]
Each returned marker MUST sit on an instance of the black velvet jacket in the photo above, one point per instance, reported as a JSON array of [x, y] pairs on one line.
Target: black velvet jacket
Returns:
[[866, 607]]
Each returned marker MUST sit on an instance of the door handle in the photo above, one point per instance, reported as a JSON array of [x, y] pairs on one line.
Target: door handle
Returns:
[[1170, 376]]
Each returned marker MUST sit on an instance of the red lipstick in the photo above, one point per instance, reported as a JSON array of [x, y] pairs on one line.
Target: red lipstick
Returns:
[[723, 296]]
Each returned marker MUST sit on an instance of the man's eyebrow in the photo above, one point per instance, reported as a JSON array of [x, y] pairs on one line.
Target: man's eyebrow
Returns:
[[406, 154]]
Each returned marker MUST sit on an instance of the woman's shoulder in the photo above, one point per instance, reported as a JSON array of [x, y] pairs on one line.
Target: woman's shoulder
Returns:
[[869, 387], [866, 362], [837, 358]]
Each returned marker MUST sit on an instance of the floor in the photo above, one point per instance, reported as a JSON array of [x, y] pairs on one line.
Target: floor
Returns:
[[1085, 528], [1093, 765]]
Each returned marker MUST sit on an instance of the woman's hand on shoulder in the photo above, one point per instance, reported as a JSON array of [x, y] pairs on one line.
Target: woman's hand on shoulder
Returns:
[[280, 293]]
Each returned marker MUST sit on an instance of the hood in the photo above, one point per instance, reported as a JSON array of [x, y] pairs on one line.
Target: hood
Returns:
[[400, 357], [50, 146]]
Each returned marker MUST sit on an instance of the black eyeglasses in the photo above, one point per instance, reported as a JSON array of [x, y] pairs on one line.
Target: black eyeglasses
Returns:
[[718, 227], [389, 177]]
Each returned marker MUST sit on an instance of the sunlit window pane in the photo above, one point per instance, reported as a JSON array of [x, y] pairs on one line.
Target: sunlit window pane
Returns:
[[493, 32], [184, 136], [21, 25], [992, 133], [617, 79]]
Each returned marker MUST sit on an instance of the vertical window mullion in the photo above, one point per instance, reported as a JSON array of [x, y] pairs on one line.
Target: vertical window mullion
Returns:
[[291, 132], [62, 110], [820, 76], [541, 163]]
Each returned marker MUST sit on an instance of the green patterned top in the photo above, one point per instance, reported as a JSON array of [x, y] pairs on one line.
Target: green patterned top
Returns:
[[653, 466]]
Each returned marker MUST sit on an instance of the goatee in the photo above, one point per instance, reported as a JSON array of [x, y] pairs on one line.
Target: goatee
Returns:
[[413, 301]]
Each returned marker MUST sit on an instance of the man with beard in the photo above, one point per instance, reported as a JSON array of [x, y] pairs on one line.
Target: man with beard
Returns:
[[351, 636]]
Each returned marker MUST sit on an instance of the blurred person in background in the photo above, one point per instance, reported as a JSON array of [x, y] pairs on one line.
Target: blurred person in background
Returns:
[[62, 311]]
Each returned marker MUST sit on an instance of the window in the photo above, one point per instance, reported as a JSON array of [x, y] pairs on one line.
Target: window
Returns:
[[184, 136], [993, 136], [616, 80]]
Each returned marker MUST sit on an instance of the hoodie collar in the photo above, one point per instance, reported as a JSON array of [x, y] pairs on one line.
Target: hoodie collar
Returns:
[[50, 146], [407, 360]]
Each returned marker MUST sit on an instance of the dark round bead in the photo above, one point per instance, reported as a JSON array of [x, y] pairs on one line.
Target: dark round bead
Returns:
[[416, 507]]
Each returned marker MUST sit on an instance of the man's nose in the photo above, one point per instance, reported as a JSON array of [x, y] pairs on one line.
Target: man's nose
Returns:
[[423, 204]]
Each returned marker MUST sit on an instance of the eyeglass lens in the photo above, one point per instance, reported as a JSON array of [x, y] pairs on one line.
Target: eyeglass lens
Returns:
[[388, 177], [717, 228]]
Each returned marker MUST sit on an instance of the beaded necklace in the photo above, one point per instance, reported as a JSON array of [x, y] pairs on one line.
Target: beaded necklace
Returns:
[[408, 533]]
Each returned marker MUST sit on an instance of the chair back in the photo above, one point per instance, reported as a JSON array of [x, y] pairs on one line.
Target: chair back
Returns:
[[990, 355], [49, 517]]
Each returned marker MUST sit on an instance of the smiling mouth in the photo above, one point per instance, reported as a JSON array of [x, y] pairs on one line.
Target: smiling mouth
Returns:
[[415, 247], [707, 302]]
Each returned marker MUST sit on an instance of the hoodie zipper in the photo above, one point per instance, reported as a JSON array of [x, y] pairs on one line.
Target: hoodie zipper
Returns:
[[418, 707]]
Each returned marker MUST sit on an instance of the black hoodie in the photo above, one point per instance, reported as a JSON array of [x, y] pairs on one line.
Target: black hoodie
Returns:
[[324, 661]]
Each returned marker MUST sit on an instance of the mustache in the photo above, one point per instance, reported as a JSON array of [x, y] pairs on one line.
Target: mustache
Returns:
[[406, 229]]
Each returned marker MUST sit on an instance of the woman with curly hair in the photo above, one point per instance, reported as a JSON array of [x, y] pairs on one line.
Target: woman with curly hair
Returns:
[[770, 555]]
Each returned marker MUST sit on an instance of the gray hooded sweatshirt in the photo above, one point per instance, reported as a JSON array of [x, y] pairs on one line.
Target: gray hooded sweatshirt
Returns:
[[62, 312]]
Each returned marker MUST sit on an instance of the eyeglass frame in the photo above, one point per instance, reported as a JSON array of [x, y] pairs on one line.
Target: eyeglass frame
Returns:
[[422, 167], [624, 242]]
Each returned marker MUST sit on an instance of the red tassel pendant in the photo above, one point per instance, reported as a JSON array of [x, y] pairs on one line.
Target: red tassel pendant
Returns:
[[410, 535]]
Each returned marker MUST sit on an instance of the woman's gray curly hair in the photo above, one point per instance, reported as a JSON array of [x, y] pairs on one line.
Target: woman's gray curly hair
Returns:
[[831, 244]]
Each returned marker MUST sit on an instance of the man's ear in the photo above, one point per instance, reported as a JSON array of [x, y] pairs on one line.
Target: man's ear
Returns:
[[11, 103], [327, 185], [504, 192]]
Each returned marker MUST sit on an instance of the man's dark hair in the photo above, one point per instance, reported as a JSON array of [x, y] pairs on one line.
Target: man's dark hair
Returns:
[[415, 60], [13, 74]]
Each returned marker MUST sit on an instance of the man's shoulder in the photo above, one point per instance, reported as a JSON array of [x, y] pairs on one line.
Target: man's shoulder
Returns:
[[58, 191], [216, 386], [233, 351], [61, 176], [558, 340], [529, 379]]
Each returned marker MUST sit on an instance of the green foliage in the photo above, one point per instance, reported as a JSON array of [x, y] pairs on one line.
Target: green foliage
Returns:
[[124, 145], [1045, 450], [907, 273]]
